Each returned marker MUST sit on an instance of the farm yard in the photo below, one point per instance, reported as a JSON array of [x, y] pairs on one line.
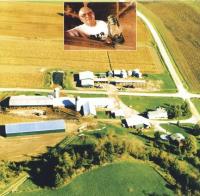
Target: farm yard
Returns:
[[37, 46], [181, 36]]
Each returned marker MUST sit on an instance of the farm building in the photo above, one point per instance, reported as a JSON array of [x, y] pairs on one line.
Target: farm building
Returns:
[[117, 113], [89, 109], [137, 73], [87, 82], [124, 74], [136, 121], [86, 75], [34, 128], [177, 137], [135, 83], [101, 80], [24, 101], [86, 78], [38, 101], [117, 73], [68, 102], [101, 75], [159, 113]]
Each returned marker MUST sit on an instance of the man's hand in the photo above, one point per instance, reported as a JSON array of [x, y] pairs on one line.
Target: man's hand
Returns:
[[75, 33]]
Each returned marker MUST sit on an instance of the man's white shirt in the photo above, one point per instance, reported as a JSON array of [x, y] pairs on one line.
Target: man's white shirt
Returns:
[[98, 32]]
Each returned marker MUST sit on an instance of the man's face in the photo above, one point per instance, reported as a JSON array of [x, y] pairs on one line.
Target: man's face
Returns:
[[87, 16]]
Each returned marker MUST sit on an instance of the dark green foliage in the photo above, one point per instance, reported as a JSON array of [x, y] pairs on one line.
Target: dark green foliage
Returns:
[[175, 111], [191, 144], [8, 171], [196, 130]]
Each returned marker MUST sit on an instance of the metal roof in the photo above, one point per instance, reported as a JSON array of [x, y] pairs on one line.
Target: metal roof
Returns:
[[137, 120], [64, 102], [100, 79], [117, 112], [41, 126], [89, 109], [128, 81], [157, 114], [24, 100], [99, 101], [86, 75], [117, 72], [87, 82]]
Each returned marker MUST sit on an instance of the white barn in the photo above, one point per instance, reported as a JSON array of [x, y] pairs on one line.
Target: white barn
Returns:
[[136, 121], [159, 113]]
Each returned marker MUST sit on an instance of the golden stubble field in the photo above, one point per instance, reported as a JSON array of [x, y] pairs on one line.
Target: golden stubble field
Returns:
[[179, 23], [31, 39]]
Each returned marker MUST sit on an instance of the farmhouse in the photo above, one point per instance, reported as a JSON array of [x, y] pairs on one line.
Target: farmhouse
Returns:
[[30, 128], [136, 121], [159, 113]]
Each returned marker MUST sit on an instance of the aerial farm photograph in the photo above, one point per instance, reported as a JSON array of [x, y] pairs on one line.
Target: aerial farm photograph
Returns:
[[100, 98]]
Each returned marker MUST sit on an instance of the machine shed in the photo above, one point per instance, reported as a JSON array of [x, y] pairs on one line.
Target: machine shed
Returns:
[[23, 100], [30, 128]]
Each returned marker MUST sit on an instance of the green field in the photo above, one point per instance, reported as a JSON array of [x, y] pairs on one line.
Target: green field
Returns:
[[196, 103], [167, 82], [184, 129], [142, 104], [125, 178]]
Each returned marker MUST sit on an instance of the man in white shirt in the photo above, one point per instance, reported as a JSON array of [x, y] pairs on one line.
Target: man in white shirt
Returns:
[[91, 28]]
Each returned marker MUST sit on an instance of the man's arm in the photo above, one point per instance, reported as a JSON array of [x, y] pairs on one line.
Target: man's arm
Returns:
[[75, 33]]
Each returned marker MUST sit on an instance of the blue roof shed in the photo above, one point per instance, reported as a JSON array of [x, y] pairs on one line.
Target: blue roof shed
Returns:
[[35, 127]]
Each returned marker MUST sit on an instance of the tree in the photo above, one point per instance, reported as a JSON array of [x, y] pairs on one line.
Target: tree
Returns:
[[196, 129], [177, 111], [157, 135], [58, 180], [191, 144]]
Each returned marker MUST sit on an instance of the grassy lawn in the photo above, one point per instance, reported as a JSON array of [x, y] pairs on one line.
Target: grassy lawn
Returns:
[[102, 115], [167, 85], [142, 104], [196, 103], [124, 178], [184, 129], [69, 80]]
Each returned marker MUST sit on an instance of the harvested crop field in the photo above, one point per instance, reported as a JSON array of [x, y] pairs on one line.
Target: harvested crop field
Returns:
[[32, 42], [19, 148], [179, 25]]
